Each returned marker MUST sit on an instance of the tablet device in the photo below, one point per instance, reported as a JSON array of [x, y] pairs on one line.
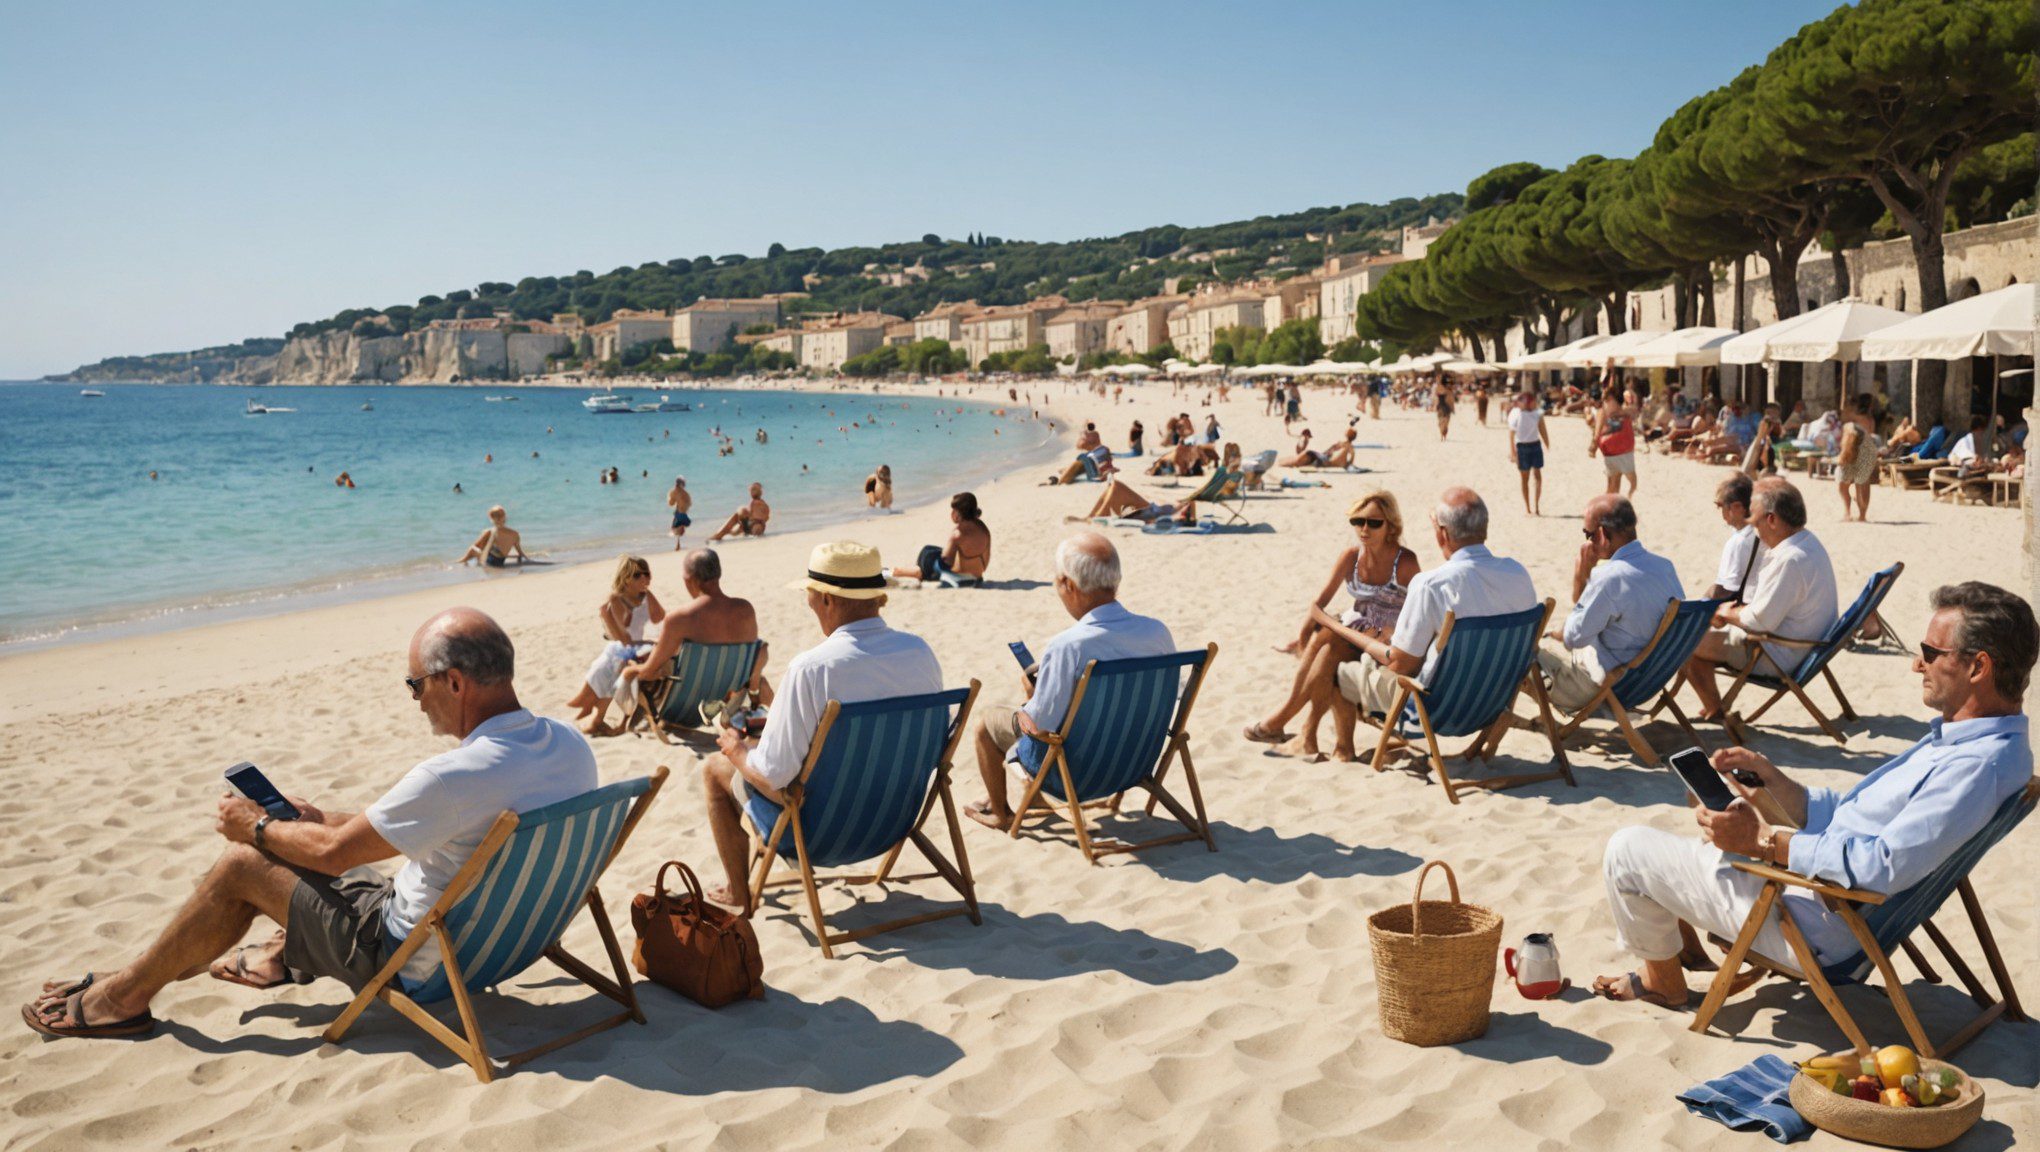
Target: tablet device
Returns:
[[249, 781], [1702, 780]]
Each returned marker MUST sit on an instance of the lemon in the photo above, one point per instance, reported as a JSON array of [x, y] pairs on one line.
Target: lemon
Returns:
[[1895, 1063]]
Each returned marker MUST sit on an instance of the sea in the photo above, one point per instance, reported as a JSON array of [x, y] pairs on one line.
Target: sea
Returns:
[[159, 506]]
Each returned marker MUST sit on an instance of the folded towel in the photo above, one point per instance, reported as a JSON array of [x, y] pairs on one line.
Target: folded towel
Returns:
[[1753, 1096]]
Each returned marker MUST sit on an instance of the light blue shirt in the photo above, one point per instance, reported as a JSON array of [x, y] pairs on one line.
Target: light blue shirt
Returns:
[[1474, 582], [1107, 632], [1621, 605], [1894, 828]]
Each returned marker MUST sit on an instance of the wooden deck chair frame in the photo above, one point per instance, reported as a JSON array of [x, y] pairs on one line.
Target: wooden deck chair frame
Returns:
[[1604, 697], [1845, 903], [1789, 684], [469, 1043], [650, 706], [1177, 747], [765, 844], [1485, 744]]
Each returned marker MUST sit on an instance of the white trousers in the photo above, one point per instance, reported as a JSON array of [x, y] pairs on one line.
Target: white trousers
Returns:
[[603, 673], [1656, 879]]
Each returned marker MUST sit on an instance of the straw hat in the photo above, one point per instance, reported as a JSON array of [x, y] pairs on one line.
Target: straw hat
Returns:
[[844, 568]]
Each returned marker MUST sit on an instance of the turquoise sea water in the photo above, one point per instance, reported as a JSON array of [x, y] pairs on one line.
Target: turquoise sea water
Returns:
[[244, 515]]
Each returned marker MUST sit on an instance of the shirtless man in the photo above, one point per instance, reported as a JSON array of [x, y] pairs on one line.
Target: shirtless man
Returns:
[[497, 543], [1184, 460], [680, 501], [1305, 456], [748, 520], [709, 617]]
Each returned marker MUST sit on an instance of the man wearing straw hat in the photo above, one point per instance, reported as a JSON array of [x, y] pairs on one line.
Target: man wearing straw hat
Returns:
[[860, 658]]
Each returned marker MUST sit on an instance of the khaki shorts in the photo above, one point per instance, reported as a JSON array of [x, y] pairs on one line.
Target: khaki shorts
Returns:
[[336, 926], [1735, 651], [1371, 687], [1575, 673], [1623, 465], [1002, 725]]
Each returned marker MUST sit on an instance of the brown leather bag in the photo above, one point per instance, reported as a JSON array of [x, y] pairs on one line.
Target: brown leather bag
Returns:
[[705, 953]]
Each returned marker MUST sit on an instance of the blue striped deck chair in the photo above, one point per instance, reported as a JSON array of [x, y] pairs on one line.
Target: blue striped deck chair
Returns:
[[699, 674], [1483, 662], [1651, 681], [507, 907], [1882, 924], [872, 778], [1124, 729], [1819, 656]]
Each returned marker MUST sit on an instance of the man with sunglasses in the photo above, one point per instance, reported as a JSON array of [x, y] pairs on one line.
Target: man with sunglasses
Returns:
[[1620, 591], [1884, 835], [337, 916]]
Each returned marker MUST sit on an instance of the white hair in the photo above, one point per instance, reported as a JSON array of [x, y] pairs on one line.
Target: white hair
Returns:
[[1090, 572], [1464, 523]]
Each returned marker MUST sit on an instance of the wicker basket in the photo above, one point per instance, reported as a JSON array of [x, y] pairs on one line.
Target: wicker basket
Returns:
[[1434, 966], [1870, 1123]]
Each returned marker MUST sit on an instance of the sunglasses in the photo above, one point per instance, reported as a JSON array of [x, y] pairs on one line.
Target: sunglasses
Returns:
[[1590, 533], [417, 683], [1929, 653], [1368, 522]]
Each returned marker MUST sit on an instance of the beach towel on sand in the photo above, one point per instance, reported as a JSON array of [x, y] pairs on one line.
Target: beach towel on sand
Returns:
[[1753, 1097]]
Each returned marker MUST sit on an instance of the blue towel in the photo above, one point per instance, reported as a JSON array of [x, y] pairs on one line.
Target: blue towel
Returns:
[[1753, 1096]]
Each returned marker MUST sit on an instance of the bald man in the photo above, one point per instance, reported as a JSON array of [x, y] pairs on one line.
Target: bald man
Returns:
[[336, 916], [1620, 592]]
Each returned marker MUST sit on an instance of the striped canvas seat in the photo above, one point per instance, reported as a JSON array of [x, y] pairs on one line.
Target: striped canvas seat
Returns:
[[1883, 925], [1124, 729], [701, 674], [874, 774], [1482, 663], [1816, 662], [1651, 680], [506, 908]]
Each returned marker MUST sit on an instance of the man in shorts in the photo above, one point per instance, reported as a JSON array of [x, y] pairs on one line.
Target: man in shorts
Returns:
[[1527, 441], [338, 917]]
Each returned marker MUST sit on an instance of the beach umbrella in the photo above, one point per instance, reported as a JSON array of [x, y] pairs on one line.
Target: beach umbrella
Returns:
[[1833, 332], [1583, 355], [1549, 358], [1996, 323], [1684, 348], [1135, 370]]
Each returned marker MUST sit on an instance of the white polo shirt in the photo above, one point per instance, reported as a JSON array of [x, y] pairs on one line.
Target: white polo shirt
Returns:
[[1793, 596], [1524, 424], [1474, 582], [862, 660]]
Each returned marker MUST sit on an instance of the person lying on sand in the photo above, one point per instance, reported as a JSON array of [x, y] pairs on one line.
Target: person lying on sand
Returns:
[[710, 616], [1304, 456], [748, 520], [336, 916], [1184, 460], [497, 543], [1119, 500], [1087, 582], [1894, 828]]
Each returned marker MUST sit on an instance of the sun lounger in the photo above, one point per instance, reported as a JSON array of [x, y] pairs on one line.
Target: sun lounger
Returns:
[[1882, 925], [873, 777], [1817, 661], [506, 908], [1125, 727], [1911, 469]]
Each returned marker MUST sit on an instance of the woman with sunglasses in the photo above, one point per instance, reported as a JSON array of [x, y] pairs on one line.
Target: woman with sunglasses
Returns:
[[624, 615], [1376, 572]]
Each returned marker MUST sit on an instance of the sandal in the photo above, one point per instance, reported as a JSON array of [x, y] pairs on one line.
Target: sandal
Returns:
[[239, 974], [73, 1001], [1612, 989], [1259, 735]]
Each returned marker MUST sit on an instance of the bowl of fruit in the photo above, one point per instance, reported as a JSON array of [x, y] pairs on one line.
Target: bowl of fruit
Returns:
[[1889, 1097]]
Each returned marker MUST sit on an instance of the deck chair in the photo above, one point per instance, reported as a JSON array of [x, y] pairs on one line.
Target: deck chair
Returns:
[[873, 777], [1255, 468], [1652, 680], [1819, 657], [699, 674], [1883, 924], [1124, 728], [1483, 662], [1912, 469], [508, 906]]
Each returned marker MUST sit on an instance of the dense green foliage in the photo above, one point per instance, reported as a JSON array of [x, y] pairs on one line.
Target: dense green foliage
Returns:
[[659, 359], [201, 365], [1031, 360], [1292, 342], [930, 357]]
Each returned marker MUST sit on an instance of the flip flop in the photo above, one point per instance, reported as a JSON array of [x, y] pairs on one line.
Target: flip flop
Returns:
[[1637, 992], [74, 1009], [1260, 735], [238, 974]]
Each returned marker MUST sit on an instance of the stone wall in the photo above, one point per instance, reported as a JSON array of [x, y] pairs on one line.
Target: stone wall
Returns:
[[527, 351]]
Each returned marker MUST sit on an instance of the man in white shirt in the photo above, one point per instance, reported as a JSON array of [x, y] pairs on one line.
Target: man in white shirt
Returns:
[[1087, 583], [1620, 591], [338, 917], [1792, 597], [1743, 552], [1965, 454], [1472, 582], [860, 658], [1528, 438]]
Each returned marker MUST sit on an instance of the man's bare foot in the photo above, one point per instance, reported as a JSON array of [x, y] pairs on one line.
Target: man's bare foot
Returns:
[[1289, 649], [982, 812], [597, 727], [1344, 754], [1630, 986]]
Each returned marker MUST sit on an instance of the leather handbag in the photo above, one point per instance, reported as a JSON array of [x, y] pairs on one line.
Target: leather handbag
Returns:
[[705, 953]]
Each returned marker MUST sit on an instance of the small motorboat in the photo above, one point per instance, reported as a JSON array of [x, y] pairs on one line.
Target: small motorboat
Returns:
[[369, 407], [255, 409], [90, 392], [500, 399], [608, 404], [666, 404]]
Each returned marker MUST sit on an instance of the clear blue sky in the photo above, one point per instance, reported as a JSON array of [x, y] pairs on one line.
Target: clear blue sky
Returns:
[[184, 175]]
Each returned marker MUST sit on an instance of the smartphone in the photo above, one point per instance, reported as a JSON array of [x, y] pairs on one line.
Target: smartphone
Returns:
[[1702, 780], [249, 781], [1021, 654]]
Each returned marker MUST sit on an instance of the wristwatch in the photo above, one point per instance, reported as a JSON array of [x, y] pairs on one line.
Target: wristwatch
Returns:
[[260, 825]]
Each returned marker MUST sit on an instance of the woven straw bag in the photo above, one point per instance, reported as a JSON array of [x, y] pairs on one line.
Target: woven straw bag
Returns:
[[1434, 965]]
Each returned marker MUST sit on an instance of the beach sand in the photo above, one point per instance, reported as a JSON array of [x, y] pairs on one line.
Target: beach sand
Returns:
[[1178, 999]]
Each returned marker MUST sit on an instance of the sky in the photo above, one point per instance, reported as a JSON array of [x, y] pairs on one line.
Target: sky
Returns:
[[177, 176]]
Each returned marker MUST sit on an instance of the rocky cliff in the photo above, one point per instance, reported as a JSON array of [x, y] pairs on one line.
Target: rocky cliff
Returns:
[[432, 356]]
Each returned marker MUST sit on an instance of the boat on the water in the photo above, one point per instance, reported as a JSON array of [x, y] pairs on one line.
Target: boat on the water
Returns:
[[500, 399], [666, 404], [368, 407], [608, 404], [90, 392], [255, 409]]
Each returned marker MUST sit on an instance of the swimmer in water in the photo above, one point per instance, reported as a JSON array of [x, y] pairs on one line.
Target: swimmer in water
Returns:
[[343, 480], [456, 489]]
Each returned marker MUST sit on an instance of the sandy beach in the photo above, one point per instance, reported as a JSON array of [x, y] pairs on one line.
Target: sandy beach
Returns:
[[1177, 999]]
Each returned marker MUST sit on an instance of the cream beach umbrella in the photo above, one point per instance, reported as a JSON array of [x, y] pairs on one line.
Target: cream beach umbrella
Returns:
[[1683, 348], [1613, 348], [1832, 332], [1550, 358], [1996, 323]]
